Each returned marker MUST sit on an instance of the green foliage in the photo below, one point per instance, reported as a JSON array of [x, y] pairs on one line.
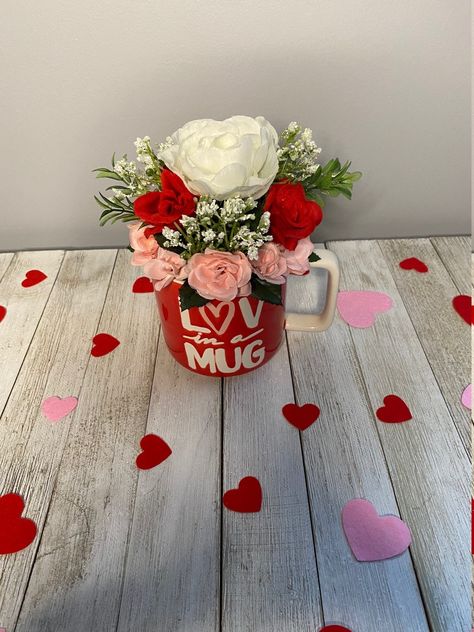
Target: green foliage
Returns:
[[115, 210], [130, 180], [188, 297], [313, 257], [331, 180], [269, 292]]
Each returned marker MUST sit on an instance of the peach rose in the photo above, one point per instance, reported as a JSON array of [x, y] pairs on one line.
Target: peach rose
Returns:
[[145, 247], [270, 265], [220, 275], [297, 259], [167, 267]]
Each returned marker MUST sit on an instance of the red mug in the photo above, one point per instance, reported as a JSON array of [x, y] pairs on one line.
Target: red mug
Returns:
[[222, 339]]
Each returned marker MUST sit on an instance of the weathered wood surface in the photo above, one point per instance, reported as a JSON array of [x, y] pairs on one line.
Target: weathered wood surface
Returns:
[[77, 579], [119, 549], [30, 446], [270, 579], [172, 574], [427, 463], [5, 259], [443, 334], [455, 254], [25, 306], [344, 460]]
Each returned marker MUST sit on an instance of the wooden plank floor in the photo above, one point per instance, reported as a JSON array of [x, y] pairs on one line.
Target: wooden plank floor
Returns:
[[119, 549]]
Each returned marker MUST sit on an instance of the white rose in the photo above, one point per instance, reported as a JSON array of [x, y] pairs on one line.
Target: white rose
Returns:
[[224, 158]]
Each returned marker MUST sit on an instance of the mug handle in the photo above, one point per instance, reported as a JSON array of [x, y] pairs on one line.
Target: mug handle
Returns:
[[319, 322]]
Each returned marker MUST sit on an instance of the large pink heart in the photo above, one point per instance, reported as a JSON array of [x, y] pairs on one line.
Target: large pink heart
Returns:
[[55, 408], [370, 536], [218, 324], [359, 307]]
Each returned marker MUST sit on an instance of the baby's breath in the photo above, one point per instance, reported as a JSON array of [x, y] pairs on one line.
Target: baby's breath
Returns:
[[232, 225], [298, 154]]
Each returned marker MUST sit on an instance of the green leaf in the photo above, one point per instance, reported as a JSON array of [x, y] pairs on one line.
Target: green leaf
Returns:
[[100, 203], [188, 297], [268, 292], [106, 173], [354, 176], [313, 257]]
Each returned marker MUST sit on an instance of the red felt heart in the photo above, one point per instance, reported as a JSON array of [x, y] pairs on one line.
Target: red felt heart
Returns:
[[33, 277], [247, 498], [16, 533], [155, 451], [335, 628], [301, 416], [462, 304], [103, 344], [3, 312], [413, 264], [395, 410], [142, 285]]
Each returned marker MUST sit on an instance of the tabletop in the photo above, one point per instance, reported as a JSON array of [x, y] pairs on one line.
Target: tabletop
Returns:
[[118, 548]]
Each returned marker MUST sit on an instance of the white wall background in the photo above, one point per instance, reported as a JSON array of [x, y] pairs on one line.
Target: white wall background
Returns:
[[384, 83]]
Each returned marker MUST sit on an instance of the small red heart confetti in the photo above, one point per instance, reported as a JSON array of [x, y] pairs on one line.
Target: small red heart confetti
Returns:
[[3, 313], [335, 628], [394, 411], [155, 451], [301, 417], [142, 285], [247, 498], [462, 304], [103, 344], [33, 277], [16, 533], [413, 263], [55, 408]]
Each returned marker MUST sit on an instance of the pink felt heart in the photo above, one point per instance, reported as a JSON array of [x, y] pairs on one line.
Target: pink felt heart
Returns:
[[54, 408], [466, 397], [370, 536], [359, 307]]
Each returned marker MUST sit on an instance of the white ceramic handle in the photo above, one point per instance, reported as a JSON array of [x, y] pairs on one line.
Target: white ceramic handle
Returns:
[[319, 322]]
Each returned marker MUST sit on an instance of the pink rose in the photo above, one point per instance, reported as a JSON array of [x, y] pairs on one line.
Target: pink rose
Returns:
[[145, 247], [297, 259], [270, 265], [167, 267], [220, 275]]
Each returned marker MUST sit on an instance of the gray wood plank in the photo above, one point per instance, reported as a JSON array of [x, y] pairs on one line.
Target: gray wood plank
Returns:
[[77, 578], [269, 574], [427, 462], [24, 309], [444, 336], [172, 575], [344, 460], [31, 446], [5, 259], [455, 254]]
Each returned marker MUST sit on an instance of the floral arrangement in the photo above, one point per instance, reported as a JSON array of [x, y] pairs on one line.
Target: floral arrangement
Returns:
[[224, 207]]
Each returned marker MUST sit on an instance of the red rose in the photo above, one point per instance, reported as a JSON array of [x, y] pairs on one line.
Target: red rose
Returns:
[[163, 208], [292, 215]]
